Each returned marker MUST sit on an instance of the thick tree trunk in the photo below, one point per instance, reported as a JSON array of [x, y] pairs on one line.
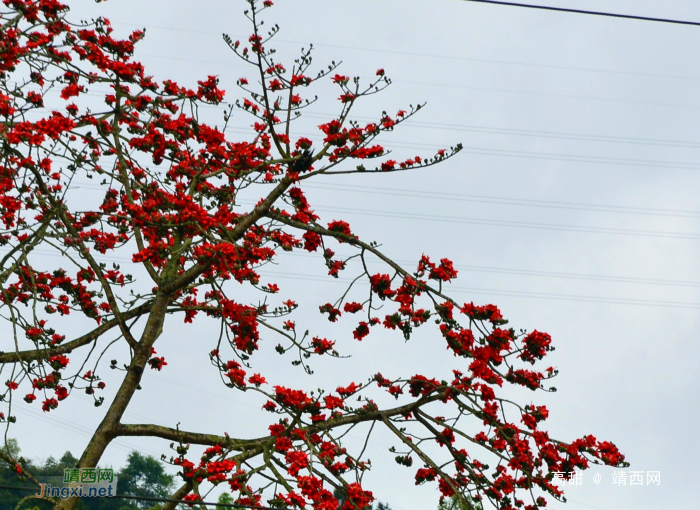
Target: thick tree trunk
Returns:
[[107, 430]]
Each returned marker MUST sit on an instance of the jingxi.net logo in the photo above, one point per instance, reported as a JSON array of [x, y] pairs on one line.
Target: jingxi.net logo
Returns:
[[81, 483]]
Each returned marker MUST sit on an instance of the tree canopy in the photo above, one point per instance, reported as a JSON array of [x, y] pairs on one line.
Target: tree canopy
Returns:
[[198, 214]]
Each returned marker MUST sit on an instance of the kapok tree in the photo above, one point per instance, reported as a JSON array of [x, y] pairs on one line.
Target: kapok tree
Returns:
[[171, 200]]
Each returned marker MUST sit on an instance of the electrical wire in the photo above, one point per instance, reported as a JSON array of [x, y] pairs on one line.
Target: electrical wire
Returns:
[[508, 223], [484, 151], [559, 135], [424, 55], [456, 289], [593, 13], [497, 223], [510, 153], [546, 274], [486, 221], [490, 130], [489, 199], [573, 158], [460, 197], [469, 87], [78, 429], [445, 196], [464, 87], [158, 500], [498, 292]]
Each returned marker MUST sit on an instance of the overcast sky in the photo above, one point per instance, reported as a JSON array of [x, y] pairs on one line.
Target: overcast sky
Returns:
[[573, 208]]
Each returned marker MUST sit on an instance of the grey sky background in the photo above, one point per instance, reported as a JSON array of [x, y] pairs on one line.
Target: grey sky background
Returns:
[[598, 115]]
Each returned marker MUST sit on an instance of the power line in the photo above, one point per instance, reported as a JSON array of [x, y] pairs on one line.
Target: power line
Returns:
[[79, 429], [555, 134], [489, 199], [646, 211], [553, 94], [158, 500], [504, 131], [456, 289], [470, 87], [466, 87], [509, 153], [547, 274], [485, 151], [577, 206], [506, 153], [535, 295], [424, 55], [515, 224], [547, 156], [497, 223], [578, 276], [577, 158], [413, 123], [491, 269], [531, 133], [444, 196], [593, 13]]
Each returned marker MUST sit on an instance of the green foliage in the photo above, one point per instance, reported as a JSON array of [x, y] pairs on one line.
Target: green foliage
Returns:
[[12, 448], [226, 498], [53, 467], [454, 504], [142, 476]]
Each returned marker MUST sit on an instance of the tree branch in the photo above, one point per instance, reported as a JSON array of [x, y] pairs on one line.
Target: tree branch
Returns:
[[151, 430], [238, 231], [356, 242], [35, 354]]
